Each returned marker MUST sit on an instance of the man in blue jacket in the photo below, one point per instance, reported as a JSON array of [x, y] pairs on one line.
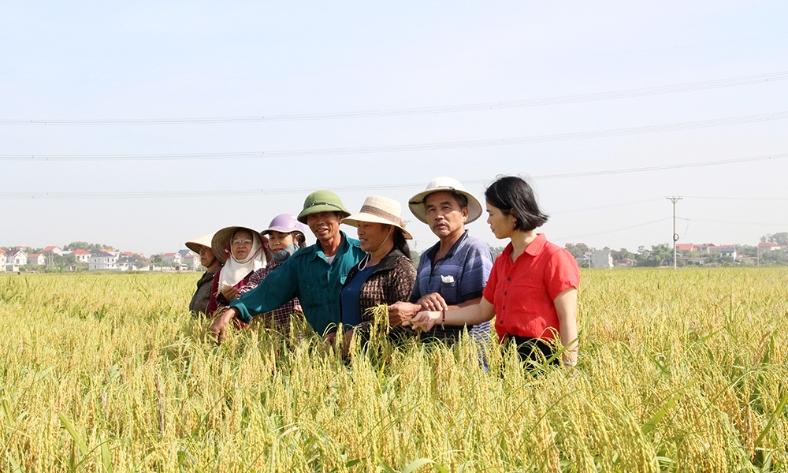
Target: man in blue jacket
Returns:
[[314, 274]]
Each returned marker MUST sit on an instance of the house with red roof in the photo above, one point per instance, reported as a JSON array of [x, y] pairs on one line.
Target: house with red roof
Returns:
[[765, 246], [81, 256], [686, 247], [36, 258], [55, 250], [174, 258]]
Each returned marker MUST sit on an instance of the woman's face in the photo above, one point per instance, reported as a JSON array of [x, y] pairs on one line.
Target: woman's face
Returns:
[[372, 235], [206, 256], [278, 241], [502, 225], [241, 244]]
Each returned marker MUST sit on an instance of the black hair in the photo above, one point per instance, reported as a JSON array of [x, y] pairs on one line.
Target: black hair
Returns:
[[513, 196], [401, 243], [299, 238]]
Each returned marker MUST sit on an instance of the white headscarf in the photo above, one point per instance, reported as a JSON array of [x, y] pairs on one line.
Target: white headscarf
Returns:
[[235, 270]]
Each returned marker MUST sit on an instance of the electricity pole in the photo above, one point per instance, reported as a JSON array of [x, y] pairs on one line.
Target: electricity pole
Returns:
[[675, 235]]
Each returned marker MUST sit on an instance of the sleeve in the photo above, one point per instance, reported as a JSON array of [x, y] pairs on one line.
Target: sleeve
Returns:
[[561, 273], [212, 304], [404, 281], [255, 279], [478, 264], [273, 292], [489, 288]]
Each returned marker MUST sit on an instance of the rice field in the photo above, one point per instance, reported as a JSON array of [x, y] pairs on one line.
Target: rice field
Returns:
[[678, 371]]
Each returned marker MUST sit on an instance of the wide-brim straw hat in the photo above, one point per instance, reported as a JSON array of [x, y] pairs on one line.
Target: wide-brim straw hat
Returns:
[[322, 201], [204, 240], [444, 184], [379, 209], [221, 240]]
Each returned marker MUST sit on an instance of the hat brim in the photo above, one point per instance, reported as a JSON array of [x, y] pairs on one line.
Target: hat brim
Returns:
[[353, 220], [197, 243], [221, 240], [418, 209], [302, 217]]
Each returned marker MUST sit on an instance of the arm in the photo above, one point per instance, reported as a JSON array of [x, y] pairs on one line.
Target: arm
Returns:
[[274, 291], [462, 315], [566, 307]]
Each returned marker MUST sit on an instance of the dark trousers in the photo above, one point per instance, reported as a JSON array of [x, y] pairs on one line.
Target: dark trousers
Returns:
[[533, 349]]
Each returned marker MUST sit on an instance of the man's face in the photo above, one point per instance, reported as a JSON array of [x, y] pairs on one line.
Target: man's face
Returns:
[[324, 225], [444, 214]]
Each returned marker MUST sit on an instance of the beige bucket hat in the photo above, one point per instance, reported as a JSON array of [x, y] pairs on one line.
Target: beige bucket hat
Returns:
[[221, 240], [379, 209], [204, 240], [444, 184]]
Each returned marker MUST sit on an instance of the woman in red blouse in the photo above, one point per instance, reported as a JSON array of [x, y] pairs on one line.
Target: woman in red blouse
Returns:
[[532, 290]]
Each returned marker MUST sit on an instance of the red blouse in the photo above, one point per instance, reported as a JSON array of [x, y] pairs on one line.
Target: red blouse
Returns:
[[523, 292]]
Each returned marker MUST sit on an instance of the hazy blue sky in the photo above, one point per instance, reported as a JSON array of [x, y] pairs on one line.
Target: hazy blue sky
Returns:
[[148, 60]]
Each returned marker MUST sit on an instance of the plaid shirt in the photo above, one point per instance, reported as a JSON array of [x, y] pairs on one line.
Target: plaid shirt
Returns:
[[278, 319], [392, 281]]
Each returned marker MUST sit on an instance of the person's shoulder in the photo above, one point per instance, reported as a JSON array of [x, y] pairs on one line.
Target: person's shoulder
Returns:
[[477, 245], [302, 253]]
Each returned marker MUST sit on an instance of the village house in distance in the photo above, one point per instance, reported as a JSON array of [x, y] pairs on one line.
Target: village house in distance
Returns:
[[54, 258]]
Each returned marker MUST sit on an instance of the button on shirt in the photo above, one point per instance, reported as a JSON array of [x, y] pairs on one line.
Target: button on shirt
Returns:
[[523, 292], [458, 277], [308, 275]]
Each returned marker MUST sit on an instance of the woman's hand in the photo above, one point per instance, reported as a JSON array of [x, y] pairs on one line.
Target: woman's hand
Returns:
[[219, 325], [424, 320], [230, 293]]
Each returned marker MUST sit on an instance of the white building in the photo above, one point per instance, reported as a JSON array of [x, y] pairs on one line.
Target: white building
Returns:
[[192, 261], [55, 250], [127, 263], [3, 259], [102, 260], [36, 258], [81, 256], [17, 258], [174, 258], [602, 259]]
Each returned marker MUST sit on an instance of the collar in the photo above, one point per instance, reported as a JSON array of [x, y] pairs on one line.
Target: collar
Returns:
[[536, 246], [343, 248], [434, 250]]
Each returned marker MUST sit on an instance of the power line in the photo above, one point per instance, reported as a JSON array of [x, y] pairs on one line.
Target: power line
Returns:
[[406, 147], [604, 207], [565, 99], [702, 220], [261, 192]]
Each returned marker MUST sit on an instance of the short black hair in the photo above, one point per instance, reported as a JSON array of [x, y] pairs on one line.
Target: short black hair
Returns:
[[461, 200], [515, 197]]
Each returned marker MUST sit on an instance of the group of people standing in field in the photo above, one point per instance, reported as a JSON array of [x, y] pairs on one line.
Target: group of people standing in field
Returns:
[[530, 289]]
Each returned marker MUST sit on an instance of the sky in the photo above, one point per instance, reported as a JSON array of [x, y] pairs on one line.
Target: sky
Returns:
[[143, 125]]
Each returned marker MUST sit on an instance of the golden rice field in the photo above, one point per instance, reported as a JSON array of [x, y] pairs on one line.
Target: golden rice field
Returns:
[[679, 371]]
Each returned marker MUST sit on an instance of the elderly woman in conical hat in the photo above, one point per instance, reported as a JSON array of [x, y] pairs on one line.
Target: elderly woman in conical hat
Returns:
[[386, 274], [202, 246], [243, 251]]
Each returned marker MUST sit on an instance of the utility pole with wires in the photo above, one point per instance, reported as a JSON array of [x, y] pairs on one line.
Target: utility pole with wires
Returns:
[[674, 199]]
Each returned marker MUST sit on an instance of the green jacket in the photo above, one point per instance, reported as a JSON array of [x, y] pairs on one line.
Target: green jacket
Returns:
[[308, 276]]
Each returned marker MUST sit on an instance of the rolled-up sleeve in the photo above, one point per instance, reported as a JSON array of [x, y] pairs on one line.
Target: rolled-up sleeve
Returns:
[[278, 288]]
